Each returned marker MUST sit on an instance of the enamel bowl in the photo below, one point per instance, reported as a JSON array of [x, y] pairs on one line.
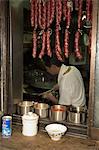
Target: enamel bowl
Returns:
[[56, 131]]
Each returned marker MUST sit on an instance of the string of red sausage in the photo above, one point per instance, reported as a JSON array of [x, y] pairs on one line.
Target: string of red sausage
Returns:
[[66, 43], [57, 45], [34, 44], [48, 31], [89, 18], [76, 4], [77, 48], [78, 33], [48, 13], [88, 9], [42, 15], [65, 8], [34, 14], [52, 11], [67, 15], [58, 20], [43, 26], [49, 52], [50, 17], [46, 16]]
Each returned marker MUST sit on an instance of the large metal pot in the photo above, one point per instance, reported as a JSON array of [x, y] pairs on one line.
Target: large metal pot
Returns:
[[77, 115], [57, 113], [41, 109], [24, 107]]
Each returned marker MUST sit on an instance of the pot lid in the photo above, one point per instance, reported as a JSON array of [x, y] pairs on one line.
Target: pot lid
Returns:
[[30, 116]]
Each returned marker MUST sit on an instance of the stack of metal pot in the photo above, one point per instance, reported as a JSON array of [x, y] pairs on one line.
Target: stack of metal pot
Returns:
[[55, 113]]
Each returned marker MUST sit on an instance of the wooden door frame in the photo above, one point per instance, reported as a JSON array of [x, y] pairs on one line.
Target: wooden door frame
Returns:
[[92, 131], [4, 55], [6, 90]]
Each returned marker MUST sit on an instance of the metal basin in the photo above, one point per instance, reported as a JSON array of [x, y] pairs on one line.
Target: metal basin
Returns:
[[41, 109], [24, 107], [57, 113]]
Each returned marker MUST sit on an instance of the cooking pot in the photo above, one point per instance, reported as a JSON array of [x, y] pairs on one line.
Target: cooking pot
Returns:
[[77, 115], [57, 113], [41, 109], [24, 107]]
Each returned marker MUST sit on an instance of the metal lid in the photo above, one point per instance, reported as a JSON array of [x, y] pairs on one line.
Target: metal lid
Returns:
[[7, 117]]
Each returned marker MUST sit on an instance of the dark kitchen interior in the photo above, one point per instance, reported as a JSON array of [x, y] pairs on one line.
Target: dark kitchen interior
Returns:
[[28, 77]]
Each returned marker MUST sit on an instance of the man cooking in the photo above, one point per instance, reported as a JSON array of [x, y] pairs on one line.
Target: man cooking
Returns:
[[70, 83]]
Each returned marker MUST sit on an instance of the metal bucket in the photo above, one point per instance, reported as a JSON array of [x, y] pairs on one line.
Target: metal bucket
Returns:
[[57, 113], [41, 109], [24, 107]]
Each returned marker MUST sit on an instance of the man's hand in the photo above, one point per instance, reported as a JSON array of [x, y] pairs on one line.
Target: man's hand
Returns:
[[47, 95], [55, 87], [50, 97]]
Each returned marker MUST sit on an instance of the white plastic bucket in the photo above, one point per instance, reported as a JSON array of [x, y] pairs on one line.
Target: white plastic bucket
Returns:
[[30, 124]]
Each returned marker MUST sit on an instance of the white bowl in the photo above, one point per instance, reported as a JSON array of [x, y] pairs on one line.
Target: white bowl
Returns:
[[56, 131]]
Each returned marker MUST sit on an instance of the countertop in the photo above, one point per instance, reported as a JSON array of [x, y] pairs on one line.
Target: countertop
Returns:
[[43, 142]]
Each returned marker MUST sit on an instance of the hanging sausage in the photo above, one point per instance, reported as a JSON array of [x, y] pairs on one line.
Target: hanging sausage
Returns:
[[52, 11], [66, 43], [58, 20], [49, 19], [43, 12], [43, 45], [89, 19], [67, 5], [34, 15], [78, 33], [42, 24], [64, 8], [34, 44], [32, 12], [76, 4], [49, 52], [77, 48]]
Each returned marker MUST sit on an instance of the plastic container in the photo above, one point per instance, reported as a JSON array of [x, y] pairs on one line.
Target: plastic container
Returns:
[[30, 124]]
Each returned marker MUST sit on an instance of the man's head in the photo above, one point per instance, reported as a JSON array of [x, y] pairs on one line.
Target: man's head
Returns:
[[52, 65]]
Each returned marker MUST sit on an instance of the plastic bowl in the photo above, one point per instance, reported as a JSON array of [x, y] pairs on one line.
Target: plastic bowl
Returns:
[[56, 131]]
